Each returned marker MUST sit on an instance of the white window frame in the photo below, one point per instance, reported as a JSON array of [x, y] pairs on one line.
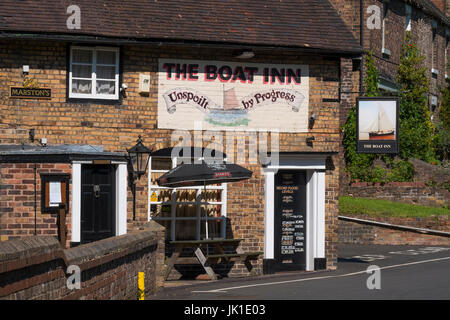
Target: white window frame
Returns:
[[199, 202], [93, 79]]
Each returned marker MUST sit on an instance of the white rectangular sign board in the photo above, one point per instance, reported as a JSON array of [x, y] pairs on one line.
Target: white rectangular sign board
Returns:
[[232, 96]]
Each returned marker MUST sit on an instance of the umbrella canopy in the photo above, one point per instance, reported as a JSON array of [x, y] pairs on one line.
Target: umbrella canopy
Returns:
[[186, 175]]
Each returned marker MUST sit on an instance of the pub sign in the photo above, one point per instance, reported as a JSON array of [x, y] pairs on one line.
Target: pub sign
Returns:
[[377, 125]]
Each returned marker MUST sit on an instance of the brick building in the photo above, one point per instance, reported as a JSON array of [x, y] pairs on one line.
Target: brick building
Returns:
[[249, 70], [381, 26]]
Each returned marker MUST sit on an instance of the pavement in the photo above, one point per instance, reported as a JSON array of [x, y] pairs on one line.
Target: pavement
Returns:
[[401, 272]]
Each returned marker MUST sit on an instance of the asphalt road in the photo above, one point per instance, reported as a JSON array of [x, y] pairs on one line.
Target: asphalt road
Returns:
[[406, 272]]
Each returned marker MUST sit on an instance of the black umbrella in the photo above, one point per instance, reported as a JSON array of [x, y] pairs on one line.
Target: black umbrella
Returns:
[[186, 175]]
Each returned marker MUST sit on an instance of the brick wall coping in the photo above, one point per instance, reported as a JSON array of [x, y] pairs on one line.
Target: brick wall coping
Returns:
[[387, 184], [29, 251], [395, 226]]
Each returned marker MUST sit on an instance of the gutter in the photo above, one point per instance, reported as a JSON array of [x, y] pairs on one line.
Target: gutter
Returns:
[[396, 227], [168, 42]]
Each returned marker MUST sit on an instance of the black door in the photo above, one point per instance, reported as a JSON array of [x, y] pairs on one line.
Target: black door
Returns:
[[97, 202], [290, 220]]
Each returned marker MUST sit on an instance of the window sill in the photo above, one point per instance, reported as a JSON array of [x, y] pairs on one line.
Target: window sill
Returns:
[[94, 101]]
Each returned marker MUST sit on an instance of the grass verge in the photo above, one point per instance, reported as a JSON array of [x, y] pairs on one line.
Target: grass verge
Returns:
[[383, 208]]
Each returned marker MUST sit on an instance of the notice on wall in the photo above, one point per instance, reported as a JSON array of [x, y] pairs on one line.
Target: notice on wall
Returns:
[[55, 194], [232, 96], [292, 219]]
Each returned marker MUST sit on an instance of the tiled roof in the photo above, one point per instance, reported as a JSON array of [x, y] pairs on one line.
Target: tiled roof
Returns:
[[310, 24], [430, 8]]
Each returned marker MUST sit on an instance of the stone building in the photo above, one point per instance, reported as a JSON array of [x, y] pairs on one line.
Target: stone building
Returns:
[[79, 84]]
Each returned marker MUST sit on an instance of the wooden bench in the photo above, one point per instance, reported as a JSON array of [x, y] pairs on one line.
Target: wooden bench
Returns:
[[208, 260], [232, 257]]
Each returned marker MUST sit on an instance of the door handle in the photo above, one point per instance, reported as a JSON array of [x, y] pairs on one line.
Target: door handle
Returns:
[[97, 191]]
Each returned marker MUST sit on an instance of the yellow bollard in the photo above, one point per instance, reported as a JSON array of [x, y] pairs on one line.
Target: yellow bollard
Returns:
[[141, 286]]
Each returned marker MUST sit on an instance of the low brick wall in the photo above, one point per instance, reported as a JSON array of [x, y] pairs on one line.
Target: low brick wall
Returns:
[[359, 233], [406, 192], [35, 267]]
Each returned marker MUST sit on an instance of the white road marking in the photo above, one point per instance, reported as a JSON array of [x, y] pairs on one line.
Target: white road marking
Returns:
[[370, 257], [318, 278], [426, 250]]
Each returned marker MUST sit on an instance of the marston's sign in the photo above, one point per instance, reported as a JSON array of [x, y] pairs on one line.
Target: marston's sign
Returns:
[[232, 96], [30, 93]]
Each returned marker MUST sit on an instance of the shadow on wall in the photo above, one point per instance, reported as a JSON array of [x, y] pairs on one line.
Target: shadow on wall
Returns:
[[109, 268]]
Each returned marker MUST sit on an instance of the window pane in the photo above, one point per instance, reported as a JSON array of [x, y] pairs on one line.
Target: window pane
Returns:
[[84, 56], [106, 87], [106, 57], [81, 71], [81, 86], [186, 210], [106, 72], [186, 195]]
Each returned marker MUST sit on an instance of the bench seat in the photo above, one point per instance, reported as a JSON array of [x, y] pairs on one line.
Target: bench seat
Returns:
[[229, 257]]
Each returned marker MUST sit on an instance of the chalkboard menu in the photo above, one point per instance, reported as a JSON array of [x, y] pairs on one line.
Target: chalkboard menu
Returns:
[[290, 219]]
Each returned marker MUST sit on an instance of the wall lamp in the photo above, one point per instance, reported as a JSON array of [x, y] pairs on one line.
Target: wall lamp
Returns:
[[138, 157]]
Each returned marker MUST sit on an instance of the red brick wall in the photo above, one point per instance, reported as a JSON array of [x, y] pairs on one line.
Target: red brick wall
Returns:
[[360, 233], [35, 269], [395, 25], [116, 126], [406, 192], [18, 198]]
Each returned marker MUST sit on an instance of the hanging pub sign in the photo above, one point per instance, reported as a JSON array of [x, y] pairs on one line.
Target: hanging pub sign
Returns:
[[30, 93], [225, 95], [377, 125]]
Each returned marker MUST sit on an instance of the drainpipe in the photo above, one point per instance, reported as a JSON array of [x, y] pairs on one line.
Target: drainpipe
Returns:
[[361, 42], [35, 202]]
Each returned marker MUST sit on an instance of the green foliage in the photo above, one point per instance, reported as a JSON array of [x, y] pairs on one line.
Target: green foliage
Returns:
[[382, 208], [415, 134], [416, 129], [441, 139], [400, 171], [359, 165], [371, 81]]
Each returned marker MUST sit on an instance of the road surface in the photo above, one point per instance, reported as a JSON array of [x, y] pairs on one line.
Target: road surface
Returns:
[[405, 272]]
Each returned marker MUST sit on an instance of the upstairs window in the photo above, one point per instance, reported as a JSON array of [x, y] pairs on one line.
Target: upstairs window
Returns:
[[408, 13], [94, 73]]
